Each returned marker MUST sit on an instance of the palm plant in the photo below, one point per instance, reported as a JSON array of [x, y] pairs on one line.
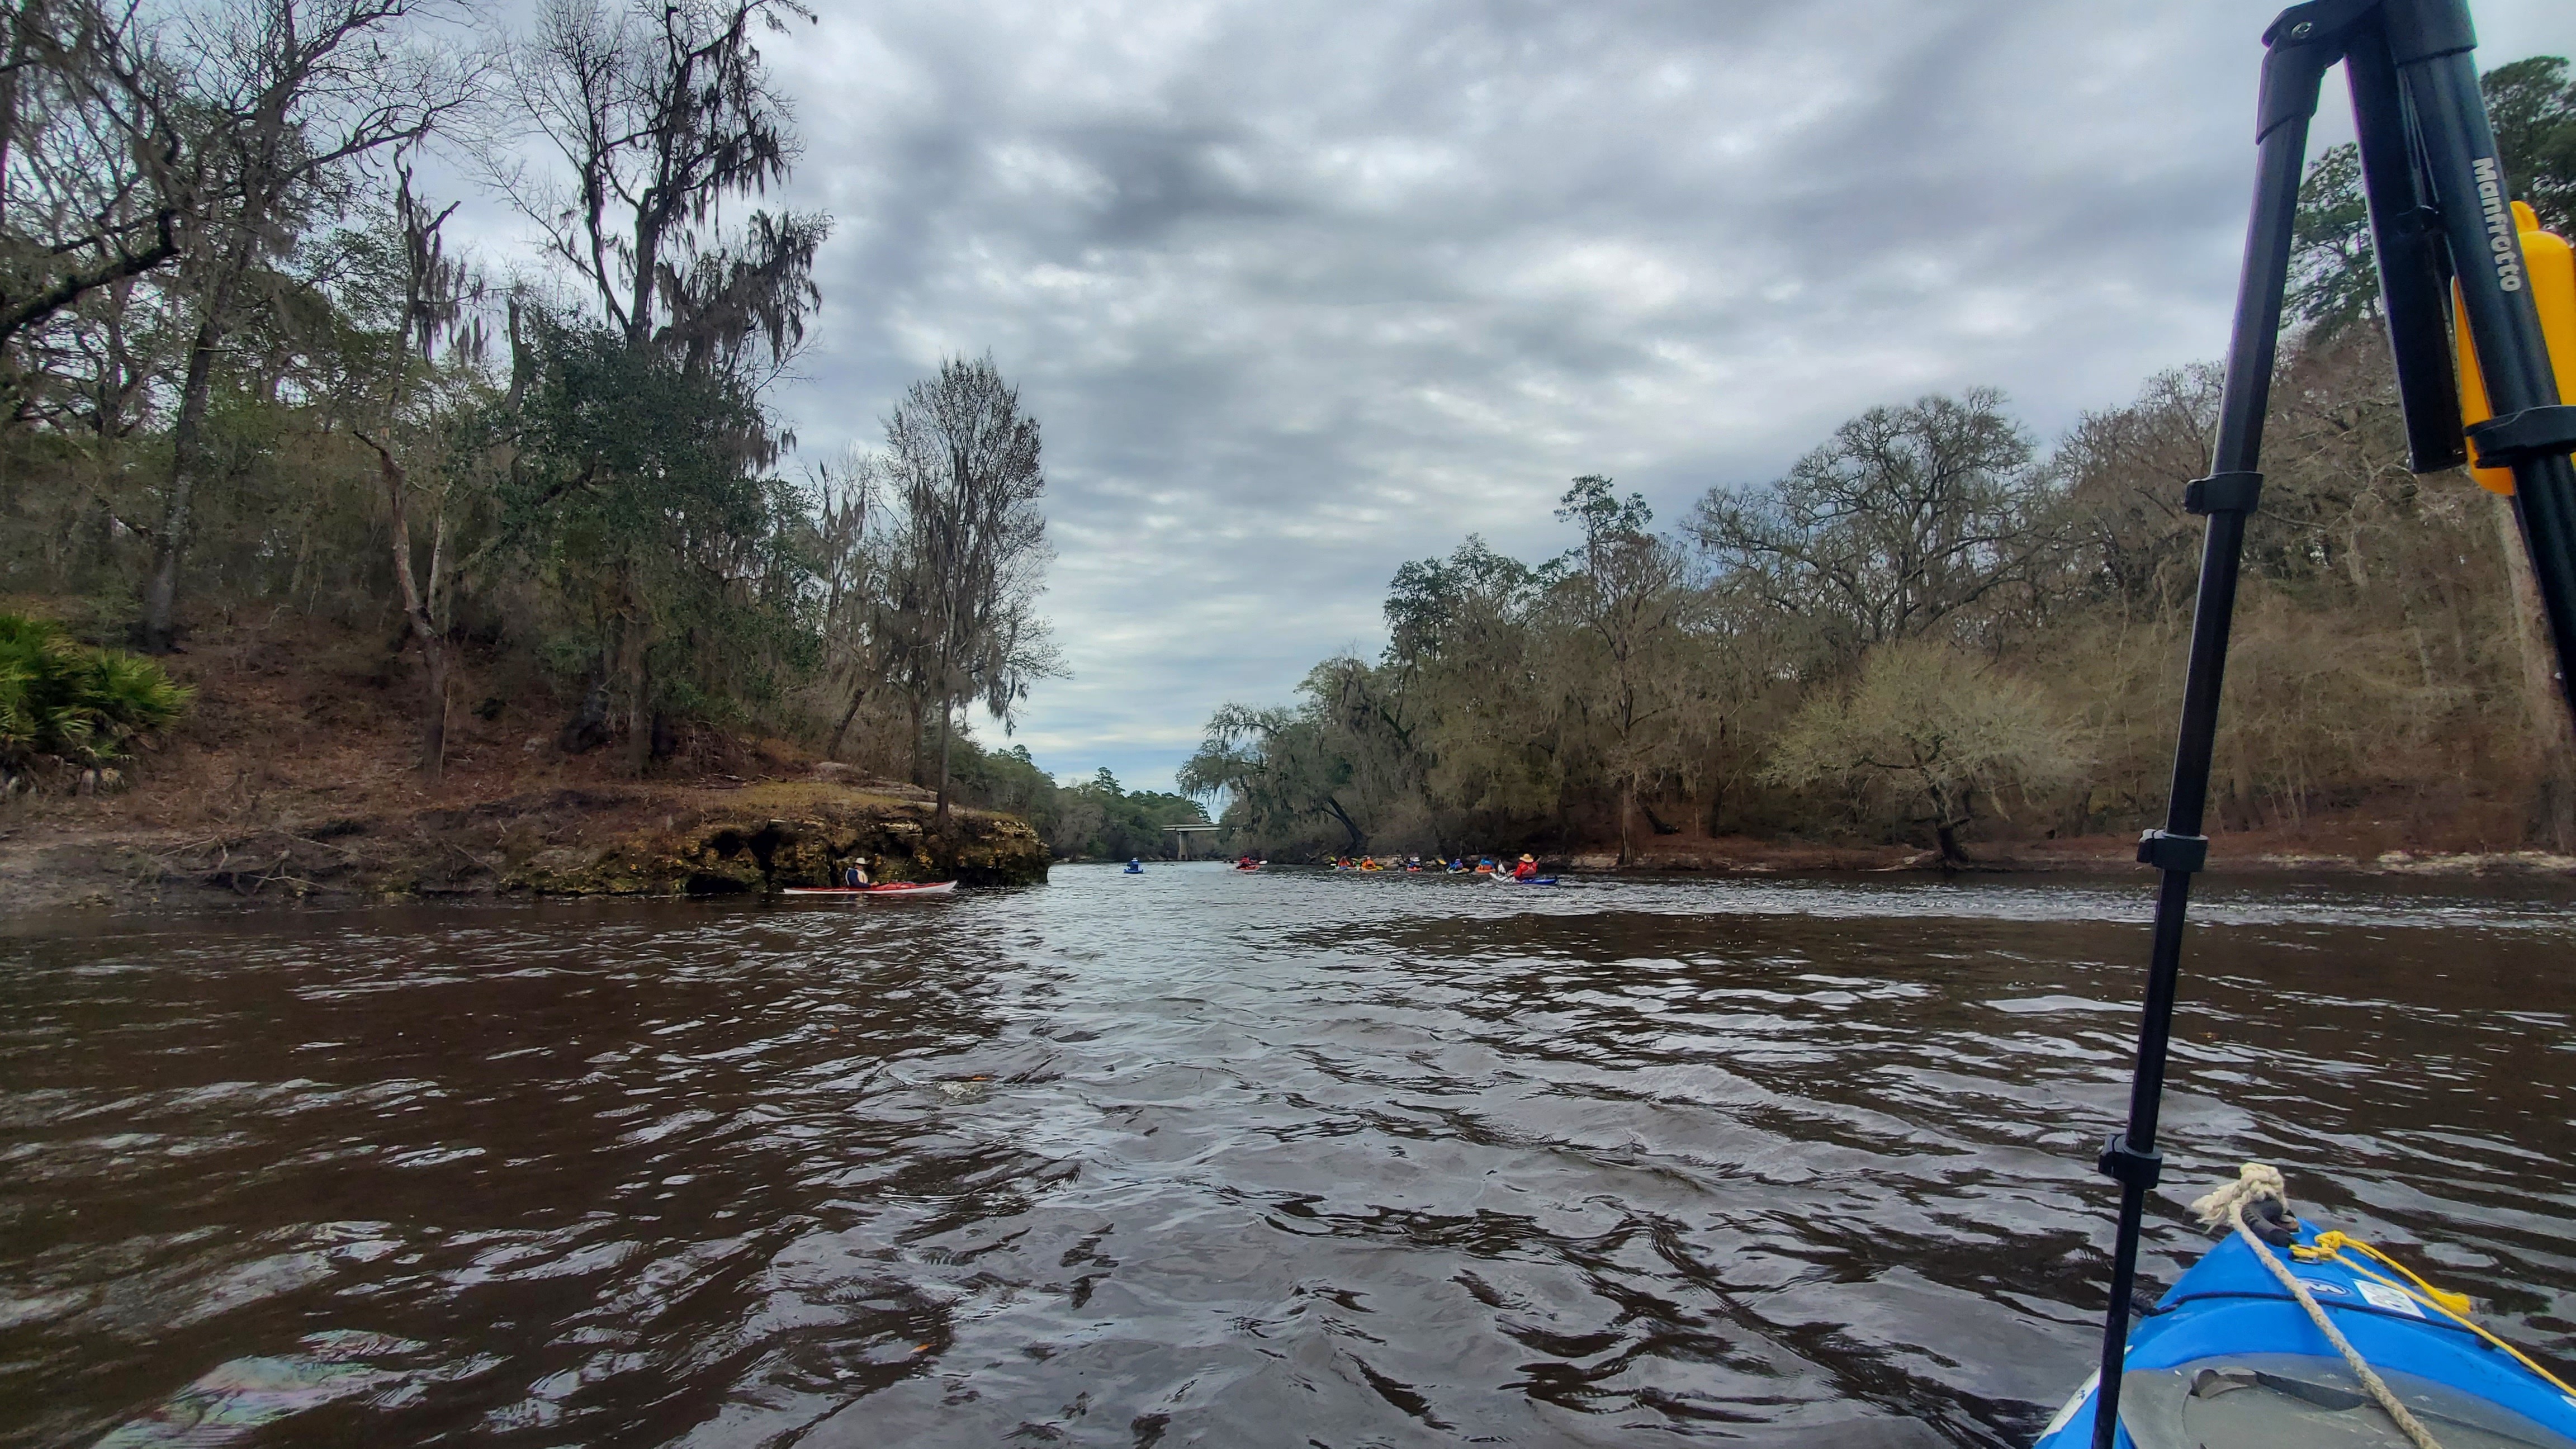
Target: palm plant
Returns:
[[65, 700]]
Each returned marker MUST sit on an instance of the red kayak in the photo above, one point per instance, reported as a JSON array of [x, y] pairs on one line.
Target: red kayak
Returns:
[[890, 888]]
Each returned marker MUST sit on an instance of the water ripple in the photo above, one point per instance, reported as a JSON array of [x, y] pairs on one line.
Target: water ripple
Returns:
[[1199, 1158]]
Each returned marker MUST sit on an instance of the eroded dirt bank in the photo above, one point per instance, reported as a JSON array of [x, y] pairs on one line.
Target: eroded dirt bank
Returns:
[[646, 839], [293, 779]]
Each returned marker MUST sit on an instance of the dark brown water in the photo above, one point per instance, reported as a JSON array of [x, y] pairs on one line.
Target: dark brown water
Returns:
[[1198, 1158]]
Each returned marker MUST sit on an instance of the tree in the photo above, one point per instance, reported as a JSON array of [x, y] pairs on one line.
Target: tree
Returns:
[[94, 161], [1280, 773], [2124, 470], [1100, 818], [2532, 105], [2334, 279], [1911, 517], [968, 555], [1621, 589], [295, 95], [676, 562], [664, 112], [1467, 654], [431, 294], [1925, 732]]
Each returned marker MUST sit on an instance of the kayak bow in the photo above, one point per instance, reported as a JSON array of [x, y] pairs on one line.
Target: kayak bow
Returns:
[[2229, 1357]]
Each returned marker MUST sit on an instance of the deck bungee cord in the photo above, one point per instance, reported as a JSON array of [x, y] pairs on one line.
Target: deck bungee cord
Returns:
[[2462, 267]]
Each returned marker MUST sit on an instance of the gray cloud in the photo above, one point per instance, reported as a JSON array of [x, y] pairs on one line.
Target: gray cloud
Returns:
[[1303, 291]]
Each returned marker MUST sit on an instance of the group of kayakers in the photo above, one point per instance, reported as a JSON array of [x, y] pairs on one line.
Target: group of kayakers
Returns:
[[1525, 868]]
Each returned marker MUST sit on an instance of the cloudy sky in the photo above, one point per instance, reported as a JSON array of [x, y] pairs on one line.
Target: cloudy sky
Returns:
[[1301, 291]]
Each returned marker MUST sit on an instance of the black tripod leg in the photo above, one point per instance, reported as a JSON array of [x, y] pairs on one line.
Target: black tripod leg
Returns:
[[2406, 240], [2290, 82]]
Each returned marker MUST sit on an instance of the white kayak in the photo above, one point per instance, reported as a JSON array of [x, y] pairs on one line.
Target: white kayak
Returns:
[[890, 888]]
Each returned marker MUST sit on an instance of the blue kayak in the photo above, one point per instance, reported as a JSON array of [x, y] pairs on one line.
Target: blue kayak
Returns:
[[2229, 1358]]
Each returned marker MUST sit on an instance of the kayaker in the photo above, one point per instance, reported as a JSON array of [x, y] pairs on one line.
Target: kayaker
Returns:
[[1134, 866], [1526, 870], [854, 876]]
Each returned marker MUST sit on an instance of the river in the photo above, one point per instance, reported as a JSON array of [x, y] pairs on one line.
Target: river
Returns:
[[1200, 1158]]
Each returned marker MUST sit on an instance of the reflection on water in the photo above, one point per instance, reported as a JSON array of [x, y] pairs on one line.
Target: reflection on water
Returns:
[[1202, 1158]]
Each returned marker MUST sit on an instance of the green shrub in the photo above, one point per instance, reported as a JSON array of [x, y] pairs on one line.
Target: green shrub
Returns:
[[64, 699]]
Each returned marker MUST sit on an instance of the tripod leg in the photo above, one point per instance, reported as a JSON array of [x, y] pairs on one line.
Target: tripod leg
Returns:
[[2290, 83], [2406, 240]]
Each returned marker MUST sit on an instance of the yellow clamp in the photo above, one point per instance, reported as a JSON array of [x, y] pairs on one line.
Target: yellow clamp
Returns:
[[2551, 267]]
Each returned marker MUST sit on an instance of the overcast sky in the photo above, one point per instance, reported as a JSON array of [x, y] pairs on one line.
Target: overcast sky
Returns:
[[1301, 291]]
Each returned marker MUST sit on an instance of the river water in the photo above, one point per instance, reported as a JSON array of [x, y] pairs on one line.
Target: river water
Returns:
[[1200, 1158]]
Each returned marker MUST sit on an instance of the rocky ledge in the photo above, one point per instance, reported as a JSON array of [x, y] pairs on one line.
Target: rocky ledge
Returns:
[[786, 836]]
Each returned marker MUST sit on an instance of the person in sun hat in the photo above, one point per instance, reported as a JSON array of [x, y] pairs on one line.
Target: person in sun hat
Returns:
[[1526, 869]]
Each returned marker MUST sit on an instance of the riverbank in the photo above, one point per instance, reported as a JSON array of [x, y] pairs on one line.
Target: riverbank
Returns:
[[292, 780], [2345, 848]]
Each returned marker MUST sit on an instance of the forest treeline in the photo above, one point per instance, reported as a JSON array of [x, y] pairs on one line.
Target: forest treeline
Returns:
[[1930, 624], [247, 366]]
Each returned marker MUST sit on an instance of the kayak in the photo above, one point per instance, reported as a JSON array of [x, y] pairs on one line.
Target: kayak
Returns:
[[1248, 869], [1502, 879], [890, 888], [2229, 1357]]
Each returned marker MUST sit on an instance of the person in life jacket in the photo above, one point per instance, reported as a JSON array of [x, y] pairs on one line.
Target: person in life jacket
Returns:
[[1135, 866], [855, 876], [1526, 870]]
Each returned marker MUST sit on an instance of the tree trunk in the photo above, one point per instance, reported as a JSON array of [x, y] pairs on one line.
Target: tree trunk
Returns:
[[2549, 740], [639, 700], [433, 710], [433, 647], [939, 816], [1945, 835], [858, 692], [1353, 831], [187, 469], [1627, 822]]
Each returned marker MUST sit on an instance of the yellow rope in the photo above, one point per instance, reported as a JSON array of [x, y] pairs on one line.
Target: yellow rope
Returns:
[[2454, 1306]]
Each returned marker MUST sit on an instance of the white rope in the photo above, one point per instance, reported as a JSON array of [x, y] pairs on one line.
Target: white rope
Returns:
[[2226, 1204]]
